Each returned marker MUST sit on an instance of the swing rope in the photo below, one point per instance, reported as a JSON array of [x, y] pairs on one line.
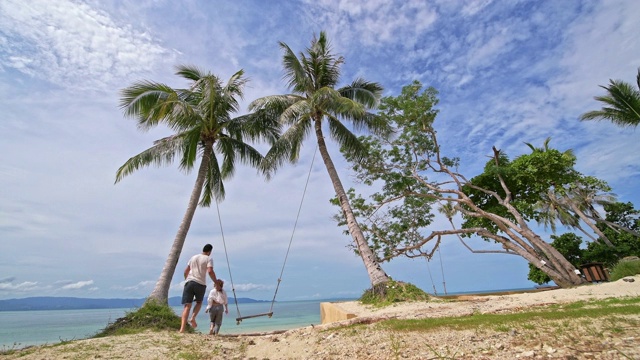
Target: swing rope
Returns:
[[435, 292], [239, 318], [444, 284], [233, 289], [304, 192]]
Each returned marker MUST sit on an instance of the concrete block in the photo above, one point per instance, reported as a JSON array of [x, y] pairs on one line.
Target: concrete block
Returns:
[[330, 312]]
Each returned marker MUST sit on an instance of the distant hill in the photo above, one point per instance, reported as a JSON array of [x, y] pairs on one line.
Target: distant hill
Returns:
[[73, 303]]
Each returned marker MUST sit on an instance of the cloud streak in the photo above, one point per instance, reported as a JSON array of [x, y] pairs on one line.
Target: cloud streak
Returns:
[[73, 45]]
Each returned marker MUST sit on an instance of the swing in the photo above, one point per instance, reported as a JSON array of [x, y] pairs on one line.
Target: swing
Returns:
[[444, 284], [239, 318]]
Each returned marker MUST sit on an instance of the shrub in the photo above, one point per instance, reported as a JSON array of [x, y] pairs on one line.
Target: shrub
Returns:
[[151, 316], [392, 292], [625, 268]]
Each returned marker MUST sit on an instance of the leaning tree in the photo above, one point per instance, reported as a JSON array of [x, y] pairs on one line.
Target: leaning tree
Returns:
[[201, 116], [502, 204]]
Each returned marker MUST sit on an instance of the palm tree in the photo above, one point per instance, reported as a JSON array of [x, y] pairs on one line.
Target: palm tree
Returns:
[[622, 104], [312, 77], [201, 119]]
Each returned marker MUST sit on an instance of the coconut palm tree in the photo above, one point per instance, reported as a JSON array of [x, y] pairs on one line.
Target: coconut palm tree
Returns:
[[312, 77], [621, 104], [201, 118]]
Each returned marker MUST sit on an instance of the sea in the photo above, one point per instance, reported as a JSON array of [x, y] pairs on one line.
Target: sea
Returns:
[[19, 329]]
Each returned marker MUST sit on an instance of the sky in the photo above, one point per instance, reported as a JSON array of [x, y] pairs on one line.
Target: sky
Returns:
[[507, 72]]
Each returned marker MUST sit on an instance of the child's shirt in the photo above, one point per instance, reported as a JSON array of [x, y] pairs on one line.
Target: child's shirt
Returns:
[[216, 296]]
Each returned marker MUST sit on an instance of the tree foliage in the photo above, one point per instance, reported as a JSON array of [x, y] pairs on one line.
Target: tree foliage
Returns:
[[501, 204], [624, 243], [621, 104]]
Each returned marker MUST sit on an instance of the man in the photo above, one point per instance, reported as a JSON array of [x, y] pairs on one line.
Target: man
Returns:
[[195, 276]]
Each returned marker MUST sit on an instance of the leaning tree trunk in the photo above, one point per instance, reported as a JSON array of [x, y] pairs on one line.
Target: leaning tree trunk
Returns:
[[377, 276], [161, 291], [583, 217]]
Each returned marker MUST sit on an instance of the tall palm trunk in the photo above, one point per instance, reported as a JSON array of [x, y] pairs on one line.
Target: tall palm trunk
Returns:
[[161, 291], [583, 217], [377, 276]]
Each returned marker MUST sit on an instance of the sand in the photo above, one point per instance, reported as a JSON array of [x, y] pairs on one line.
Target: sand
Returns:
[[366, 338]]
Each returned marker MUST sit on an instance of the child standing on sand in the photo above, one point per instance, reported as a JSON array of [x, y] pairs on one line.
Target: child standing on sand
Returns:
[[216, 303]]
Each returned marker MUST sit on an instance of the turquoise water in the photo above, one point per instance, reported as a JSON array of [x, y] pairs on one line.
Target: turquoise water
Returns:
[[19, 329]]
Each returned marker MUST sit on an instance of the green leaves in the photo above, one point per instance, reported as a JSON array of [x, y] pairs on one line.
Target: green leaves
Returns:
[[312, 76], [201, 115], [621, 104]]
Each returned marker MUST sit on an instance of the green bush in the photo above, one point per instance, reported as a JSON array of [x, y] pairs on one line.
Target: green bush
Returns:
[[151, 316], [393, 292], [625, 268]]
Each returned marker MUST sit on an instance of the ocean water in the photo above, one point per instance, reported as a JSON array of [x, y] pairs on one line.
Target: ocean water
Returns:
[[19, 329]]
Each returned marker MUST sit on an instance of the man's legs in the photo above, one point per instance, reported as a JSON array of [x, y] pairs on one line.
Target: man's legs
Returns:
[[185, 315], [196, 309]]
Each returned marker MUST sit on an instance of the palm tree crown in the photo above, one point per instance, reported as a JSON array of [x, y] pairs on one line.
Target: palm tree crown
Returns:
[[201, 117], [312, 77], [621, 104]]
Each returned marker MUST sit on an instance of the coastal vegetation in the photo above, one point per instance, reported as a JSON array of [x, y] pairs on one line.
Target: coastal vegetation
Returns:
[[394, 292], [503, 204]]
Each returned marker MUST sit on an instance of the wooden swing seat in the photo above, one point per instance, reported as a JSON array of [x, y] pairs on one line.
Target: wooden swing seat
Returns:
[[239, 319]]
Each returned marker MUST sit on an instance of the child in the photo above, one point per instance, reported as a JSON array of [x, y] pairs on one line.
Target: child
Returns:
[[215, 302]]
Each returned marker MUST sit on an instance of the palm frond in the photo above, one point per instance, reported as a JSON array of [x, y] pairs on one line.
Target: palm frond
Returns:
[[622, 104], [213, 185], [190, 145], [294, 72], [162, 153], [190, 72], [346, 139], [286, 149], [364, 92]]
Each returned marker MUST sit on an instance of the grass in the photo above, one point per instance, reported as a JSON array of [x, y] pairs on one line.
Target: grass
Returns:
[[624, 269], [501, 322], [392, 292], [151, 316]]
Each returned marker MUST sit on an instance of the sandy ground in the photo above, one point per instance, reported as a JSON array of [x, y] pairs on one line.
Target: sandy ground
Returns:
[[367, 338]]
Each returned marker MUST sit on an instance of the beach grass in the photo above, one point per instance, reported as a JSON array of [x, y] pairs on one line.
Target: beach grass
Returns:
[[392, 292], [617, 308], [150, 316], [625, 268]]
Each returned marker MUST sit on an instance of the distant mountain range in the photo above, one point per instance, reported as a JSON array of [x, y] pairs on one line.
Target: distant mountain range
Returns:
[[72, 303]]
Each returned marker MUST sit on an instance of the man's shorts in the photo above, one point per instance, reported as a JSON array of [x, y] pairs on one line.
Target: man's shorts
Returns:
[[193, 289]]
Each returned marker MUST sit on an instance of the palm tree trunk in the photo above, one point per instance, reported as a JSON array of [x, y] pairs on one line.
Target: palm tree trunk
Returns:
[[377, 276], [160, 293], [602, 236]]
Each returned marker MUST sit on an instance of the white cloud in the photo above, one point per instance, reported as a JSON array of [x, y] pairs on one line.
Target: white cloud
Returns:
[[143, 285], [70, 44], [375, 23], [251, 287], [78, 285], [25, 286]]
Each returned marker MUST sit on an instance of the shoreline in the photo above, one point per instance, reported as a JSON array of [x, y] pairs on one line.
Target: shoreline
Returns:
[[364, 338]]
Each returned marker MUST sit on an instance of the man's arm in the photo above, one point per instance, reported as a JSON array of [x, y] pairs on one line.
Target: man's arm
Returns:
[[212, 274], [186, 271]]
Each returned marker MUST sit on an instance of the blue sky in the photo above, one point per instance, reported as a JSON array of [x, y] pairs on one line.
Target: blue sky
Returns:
[[508, 72]]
